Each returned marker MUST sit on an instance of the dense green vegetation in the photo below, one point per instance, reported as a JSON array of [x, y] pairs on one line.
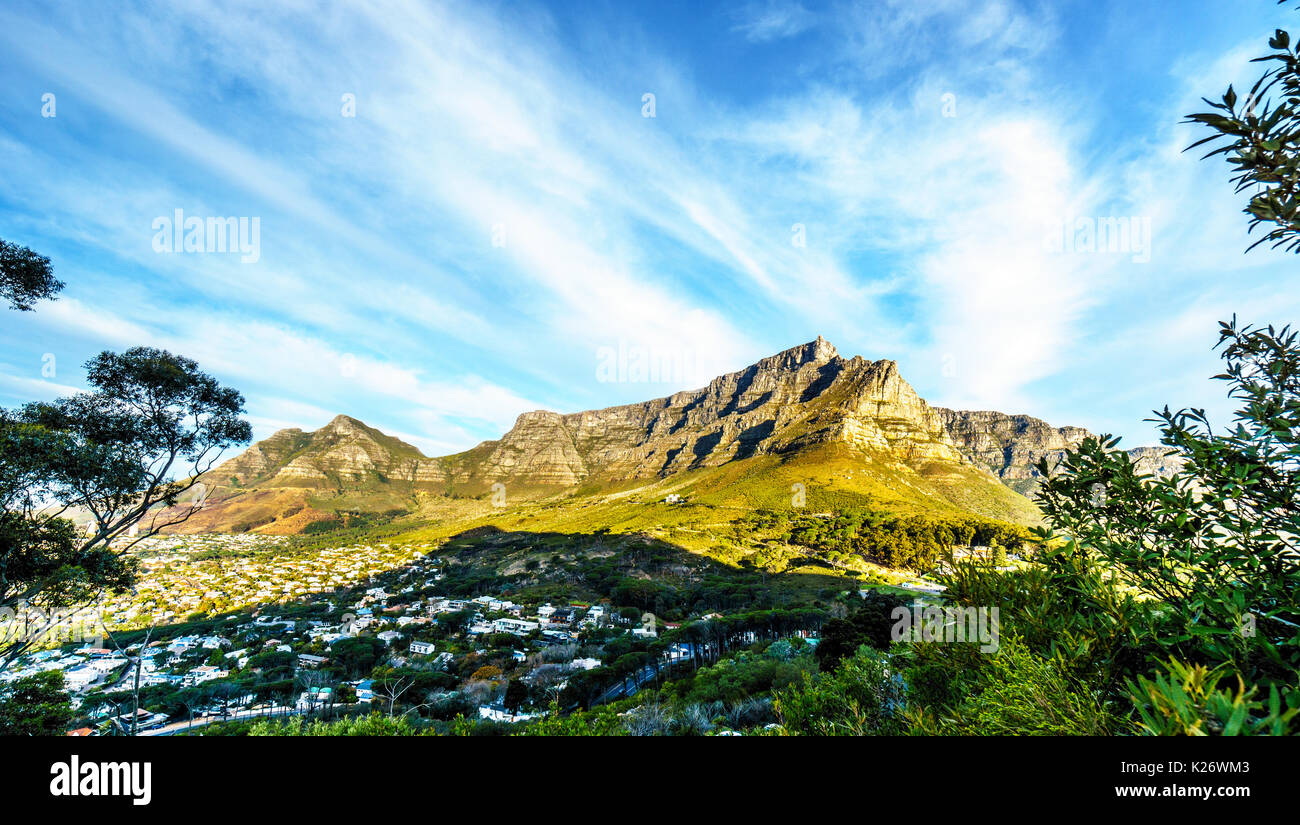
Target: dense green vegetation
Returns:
[[35, 706], [636, 570], [1158, 606], [901, 542]]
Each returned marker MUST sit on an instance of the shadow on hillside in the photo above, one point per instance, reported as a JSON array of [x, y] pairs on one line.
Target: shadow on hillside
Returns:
[[596, 565]]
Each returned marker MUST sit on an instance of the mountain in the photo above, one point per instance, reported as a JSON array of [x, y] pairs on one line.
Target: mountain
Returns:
[[792, 401], [343, 453], [1009, 446], [803, 414]]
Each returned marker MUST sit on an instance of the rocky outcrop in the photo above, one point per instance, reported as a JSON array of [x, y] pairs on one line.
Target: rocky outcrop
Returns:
[[1156, 461], [798, 398], [263, 460], [345, 452], [1010, 446]]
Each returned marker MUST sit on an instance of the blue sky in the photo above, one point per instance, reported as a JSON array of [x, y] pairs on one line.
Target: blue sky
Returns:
[[500, 214]]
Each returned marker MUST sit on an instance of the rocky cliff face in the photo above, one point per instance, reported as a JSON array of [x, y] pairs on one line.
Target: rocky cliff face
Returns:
[[344, 452], [797, 399], [1009, 446], [1156, 461]]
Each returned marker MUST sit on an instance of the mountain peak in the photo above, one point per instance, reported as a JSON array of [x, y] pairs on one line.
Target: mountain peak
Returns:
[[344, 424], [822, 350], [819, 351], [804, 399]]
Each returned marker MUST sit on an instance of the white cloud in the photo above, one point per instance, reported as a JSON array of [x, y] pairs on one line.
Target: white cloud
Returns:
[[763, 22], [923, 232]]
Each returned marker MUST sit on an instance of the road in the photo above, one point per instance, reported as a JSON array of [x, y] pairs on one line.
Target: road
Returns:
[[182, 727], [629, 686]]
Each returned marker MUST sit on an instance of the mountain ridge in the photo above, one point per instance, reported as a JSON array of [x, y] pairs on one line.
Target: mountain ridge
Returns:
[[1010, 445], [800, 400]]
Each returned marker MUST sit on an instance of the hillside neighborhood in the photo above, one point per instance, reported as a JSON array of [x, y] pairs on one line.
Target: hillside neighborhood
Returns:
[[300, 641]]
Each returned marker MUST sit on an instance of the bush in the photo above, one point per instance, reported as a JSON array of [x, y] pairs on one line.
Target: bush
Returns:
[[372, 725], [863, 697], [1186, 700], [35, 705], [1016, 692]]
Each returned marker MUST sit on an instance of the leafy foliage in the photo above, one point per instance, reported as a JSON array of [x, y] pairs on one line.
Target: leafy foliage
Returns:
[[869, 624], [1260, 137], [373, 725], [152, 424], [1016, 693], [1211, 553], [25, 276], [914, 542], [1186, 700], [35, 705], [862, 697]]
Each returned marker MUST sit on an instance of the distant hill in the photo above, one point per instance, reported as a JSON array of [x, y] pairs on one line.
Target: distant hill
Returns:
[[805, 415], [343, 454]]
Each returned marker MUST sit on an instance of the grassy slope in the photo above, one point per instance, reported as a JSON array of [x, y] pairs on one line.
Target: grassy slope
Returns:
[[713, 498], [834, 478], [541, 533]]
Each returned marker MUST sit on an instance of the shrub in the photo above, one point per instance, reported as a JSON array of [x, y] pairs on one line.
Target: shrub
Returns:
[[862, 697]]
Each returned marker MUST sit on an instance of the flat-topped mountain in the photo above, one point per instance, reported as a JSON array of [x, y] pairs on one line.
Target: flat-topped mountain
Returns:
[[804, 396], [799, 398], [806, 401]]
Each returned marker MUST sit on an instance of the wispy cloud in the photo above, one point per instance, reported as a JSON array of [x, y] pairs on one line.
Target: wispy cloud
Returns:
[[502, 207], [763, 22]]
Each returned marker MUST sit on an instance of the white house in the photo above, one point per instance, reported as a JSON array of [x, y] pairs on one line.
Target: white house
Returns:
[[80, 678], [500, 714], [315, 697], [519, 627]]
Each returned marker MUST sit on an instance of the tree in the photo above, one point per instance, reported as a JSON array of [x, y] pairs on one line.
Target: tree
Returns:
[[861, 698], [1218, 543], [390, 685], [314, 683], [134, 662], [516, 695], [25, 277], [357, 655], [870, 624], [486, 673], [35, 705], [1261, 141], [122, 453], [998, 555]]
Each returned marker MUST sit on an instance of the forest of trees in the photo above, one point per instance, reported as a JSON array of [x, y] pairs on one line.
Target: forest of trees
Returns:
[[911, 542]]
